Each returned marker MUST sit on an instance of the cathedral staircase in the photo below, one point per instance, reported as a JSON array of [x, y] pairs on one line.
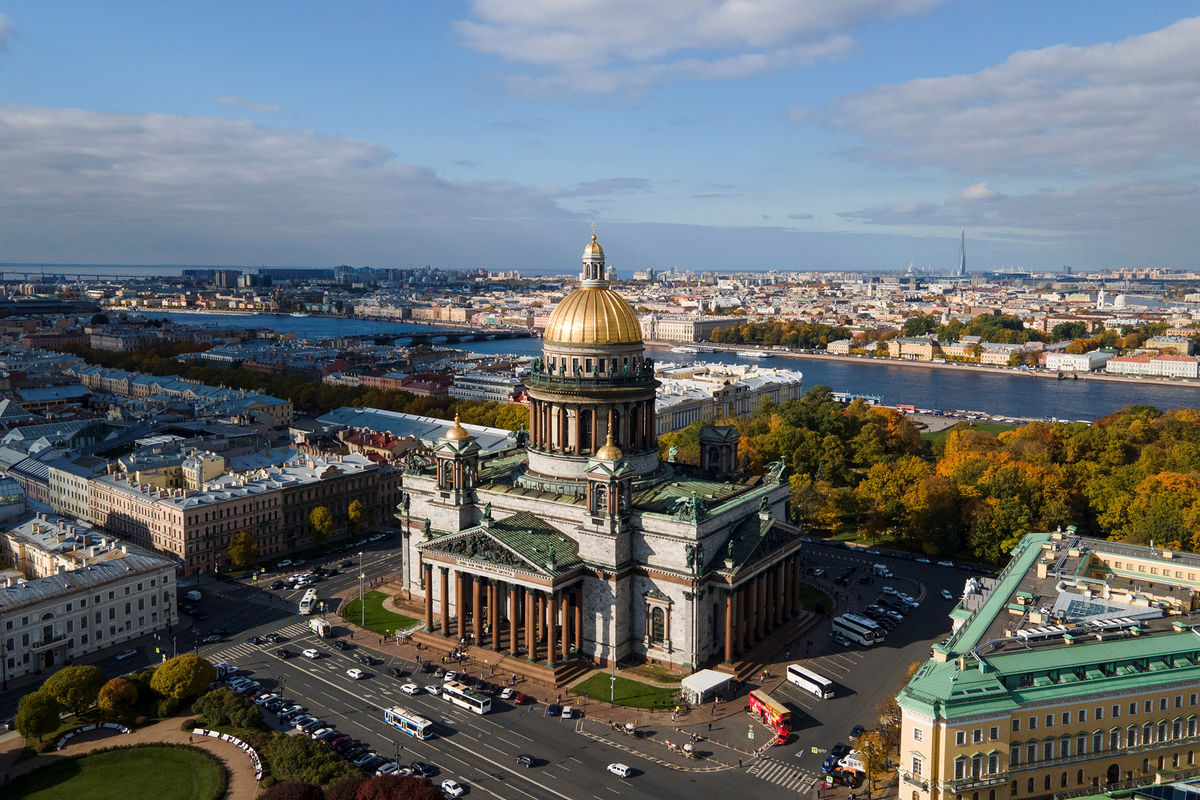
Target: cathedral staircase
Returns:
[[499, 666], [772, 649]]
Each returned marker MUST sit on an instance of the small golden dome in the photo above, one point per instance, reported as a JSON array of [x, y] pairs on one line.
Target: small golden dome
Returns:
[[458, 431], [609, 452], [594, 315], [593, 248]]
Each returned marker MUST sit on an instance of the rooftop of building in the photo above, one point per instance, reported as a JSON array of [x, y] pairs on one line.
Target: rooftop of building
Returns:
[[1067, 609], [427, 429]]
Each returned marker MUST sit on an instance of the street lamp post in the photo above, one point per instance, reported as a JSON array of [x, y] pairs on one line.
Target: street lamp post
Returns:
[[282, 682], [361, 603]]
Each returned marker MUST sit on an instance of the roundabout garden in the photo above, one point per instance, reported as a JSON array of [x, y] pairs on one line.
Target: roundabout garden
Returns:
[[161, 772]]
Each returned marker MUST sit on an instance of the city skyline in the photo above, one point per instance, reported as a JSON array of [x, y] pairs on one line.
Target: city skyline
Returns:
[[704, 134]]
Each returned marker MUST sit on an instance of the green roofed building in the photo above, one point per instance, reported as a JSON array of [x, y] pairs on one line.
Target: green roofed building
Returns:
[[1074, 672]]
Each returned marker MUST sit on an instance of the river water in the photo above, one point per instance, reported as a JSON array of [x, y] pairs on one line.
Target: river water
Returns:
[[1003, 394]]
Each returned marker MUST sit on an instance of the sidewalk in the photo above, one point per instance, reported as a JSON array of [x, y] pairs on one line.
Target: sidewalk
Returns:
[[242, 785]]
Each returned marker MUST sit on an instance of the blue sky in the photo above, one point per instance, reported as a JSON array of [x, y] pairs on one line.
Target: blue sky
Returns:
[[698, 133]]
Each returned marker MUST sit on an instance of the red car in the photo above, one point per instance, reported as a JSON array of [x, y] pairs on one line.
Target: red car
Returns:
[[522, 699]]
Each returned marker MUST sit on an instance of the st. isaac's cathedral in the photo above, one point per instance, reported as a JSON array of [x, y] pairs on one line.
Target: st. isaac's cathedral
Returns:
[[582, 543]]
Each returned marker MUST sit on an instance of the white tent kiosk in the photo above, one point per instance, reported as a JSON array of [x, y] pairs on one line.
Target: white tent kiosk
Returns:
[[704, 685]]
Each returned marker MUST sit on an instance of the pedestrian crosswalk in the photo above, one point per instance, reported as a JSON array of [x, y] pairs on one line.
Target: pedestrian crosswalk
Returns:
[[781, 774], [232, 653]]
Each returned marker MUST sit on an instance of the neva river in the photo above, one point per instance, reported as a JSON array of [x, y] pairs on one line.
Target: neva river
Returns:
[[1003, 394]]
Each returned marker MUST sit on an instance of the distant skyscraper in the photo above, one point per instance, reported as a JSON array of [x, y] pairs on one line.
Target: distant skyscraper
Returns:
[[962, 254]]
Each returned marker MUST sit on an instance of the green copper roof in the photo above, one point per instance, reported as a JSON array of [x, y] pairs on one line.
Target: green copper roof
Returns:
[[1024, 556]]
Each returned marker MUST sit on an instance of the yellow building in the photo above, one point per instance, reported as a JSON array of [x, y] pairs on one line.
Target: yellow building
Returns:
[[1075, 671]]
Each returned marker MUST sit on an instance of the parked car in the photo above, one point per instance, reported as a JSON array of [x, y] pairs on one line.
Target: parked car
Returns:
[[946, 595], [277, 584], [452, 788], [423, 770], [620, 770]]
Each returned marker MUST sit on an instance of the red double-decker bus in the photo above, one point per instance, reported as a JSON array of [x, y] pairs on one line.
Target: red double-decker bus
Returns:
[[772, 713]]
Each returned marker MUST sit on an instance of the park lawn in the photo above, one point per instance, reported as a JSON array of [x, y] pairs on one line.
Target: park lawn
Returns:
[[162, 773], [994, 428], [811, 597], [379, 620], [634, 694]]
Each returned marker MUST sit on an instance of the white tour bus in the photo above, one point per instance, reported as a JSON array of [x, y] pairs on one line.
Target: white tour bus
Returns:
[[809, 681], [406, 721], [461, 695], [856, 630], [308, 602]]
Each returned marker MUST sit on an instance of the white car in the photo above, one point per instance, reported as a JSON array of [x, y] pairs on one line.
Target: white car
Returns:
[[357, 674], [946, 595], [888, 590], [433, 688], [451, 675], [452, 788], [411, 689], [945, 563], [506, 693], [311, 653], [620, 770], [567, 713]]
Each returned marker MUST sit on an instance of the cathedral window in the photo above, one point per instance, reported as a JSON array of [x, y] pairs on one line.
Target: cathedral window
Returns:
[[658, 626]]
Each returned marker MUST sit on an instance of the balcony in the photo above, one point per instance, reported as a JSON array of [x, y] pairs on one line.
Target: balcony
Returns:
[[976, 782], [46, 644]]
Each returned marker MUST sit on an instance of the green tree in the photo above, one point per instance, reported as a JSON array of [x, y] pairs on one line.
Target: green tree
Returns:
[[320, 522], [1068, 330], [183, 676], [76, 688], [227, 707], [920, 325], [117, 698], [37, 715], [354, 516], [243, 548], [298, 758]]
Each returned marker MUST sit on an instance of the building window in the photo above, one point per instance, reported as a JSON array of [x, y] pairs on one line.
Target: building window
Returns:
[[1178, 697], [960, 737], [1031, 753], [994, 732], [1162, 704], [917, 765], [960, 768], [1016, 725], [1033, 723], [976, 766], [977, 735], [1048, 750], [993, 764], [1014, 755], [1099, 713], [658, 624], [1049, 720], [1097, 742], [918, 735], [1083, 715], [1080, 744], [1066, 718], [1116, 711]]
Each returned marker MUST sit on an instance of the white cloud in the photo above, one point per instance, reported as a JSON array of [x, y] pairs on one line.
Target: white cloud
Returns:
[[1110, 213], [1110, 106], [95, 187], [248, 105], [601, 46], [6, 30], [978, 191]]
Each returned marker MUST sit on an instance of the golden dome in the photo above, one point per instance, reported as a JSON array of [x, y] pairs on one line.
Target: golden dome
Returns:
[[593, 248], [609, 451], [458, 431], [594, 315]]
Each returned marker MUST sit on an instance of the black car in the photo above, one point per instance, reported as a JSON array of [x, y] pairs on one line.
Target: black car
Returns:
[[274, 638], [524, 759], [220, 632], [856, 731], [283, 652], [329, 573], [368, 659], [341, 645], [277, 584], [423, 769], [396, 672], [839, 750], [346, 564]]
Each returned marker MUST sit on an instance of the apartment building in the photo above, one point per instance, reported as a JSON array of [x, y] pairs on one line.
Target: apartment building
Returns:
[[81, 593], [196, 525], [1075, 671], [1164, 366]]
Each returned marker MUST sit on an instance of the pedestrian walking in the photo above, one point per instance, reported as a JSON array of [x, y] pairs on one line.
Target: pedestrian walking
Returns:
[[739, 762], [189, 740], [710, 727]]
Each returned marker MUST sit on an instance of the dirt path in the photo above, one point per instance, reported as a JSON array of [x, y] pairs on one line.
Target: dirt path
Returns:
[[242, 785]]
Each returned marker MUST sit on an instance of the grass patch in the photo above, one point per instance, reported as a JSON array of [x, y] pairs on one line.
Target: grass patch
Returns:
[[163, 773], [653, 672], [811, 597], [378, 619], [994, 428], [634, 694]]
